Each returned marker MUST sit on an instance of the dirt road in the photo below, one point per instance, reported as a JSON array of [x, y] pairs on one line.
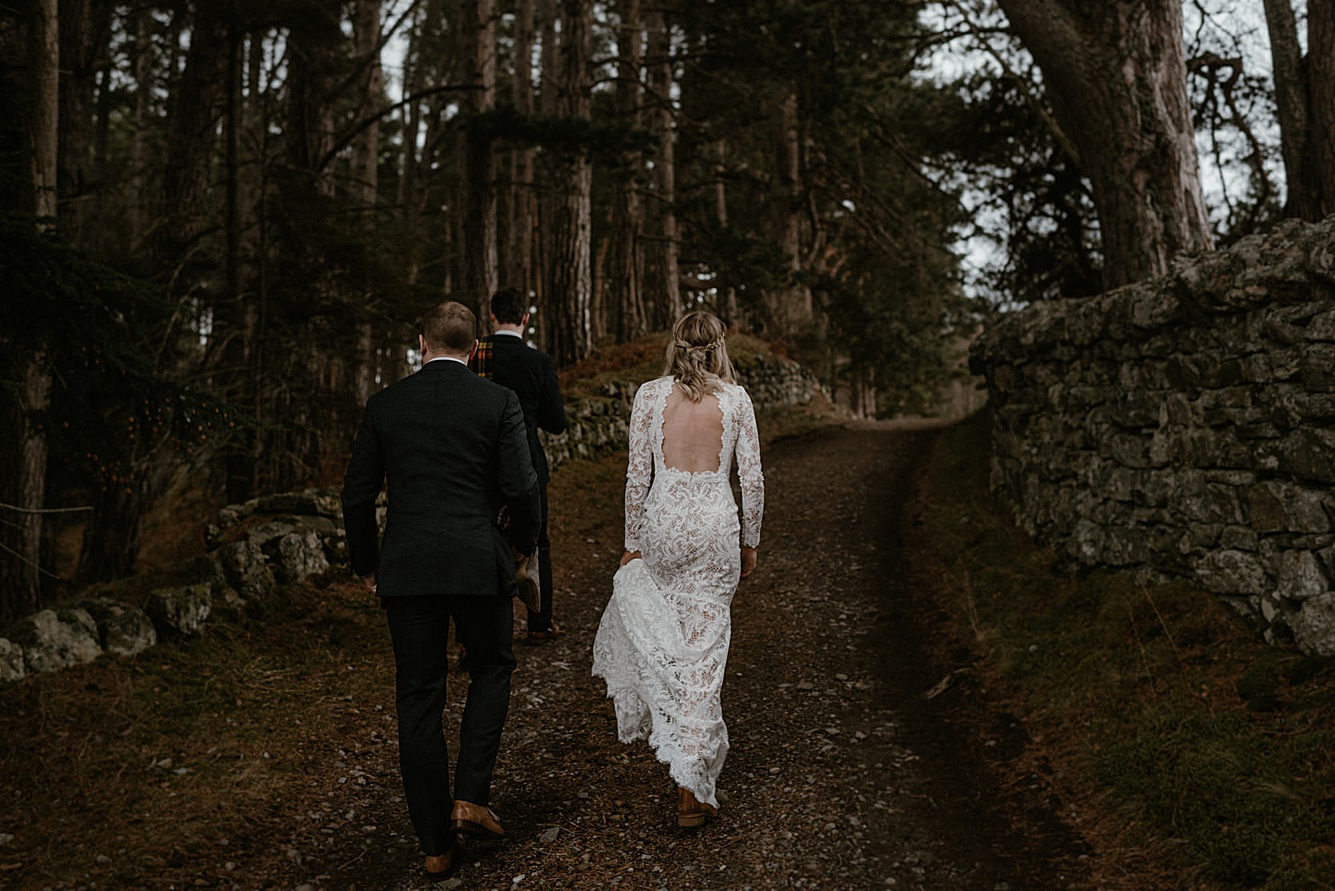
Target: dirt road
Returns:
[[842, 773]]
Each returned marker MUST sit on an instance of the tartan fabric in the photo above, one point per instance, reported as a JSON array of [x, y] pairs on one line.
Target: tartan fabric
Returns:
[[480, 361]]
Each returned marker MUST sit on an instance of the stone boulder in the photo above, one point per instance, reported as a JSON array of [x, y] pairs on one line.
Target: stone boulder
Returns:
[[320, 509], [247, 570], [302, 555], [55, 639], [266, 534], [123, 629], [1314, 626], [208, 570], [11, 661], [229, 518], [294, 546], [179, 612], [311, 502]]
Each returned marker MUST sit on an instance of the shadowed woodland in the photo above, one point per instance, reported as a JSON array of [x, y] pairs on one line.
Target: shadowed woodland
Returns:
[[221, 219]]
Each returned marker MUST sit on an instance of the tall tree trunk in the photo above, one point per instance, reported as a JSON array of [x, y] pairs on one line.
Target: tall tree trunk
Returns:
[[1321, 80], [478, 20], [24, 490], [196, 109], [365, 186], [232, 160], [366, 172], [1291, 105], [312, 50], [1116, 75], [518, 271], [23, 486], [549, 77], [111, 545], [412, 185], [44, 102], [662, 286], [78, 59], [143, 99], [568, 221], [727, 298], [790, 309], [234, 314], [625, 274]]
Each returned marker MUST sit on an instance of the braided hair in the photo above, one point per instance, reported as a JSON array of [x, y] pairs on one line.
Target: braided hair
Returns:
[[697, 355]]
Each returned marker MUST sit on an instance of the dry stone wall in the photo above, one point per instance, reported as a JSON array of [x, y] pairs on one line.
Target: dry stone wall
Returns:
[[1185, 427], [598, 423]]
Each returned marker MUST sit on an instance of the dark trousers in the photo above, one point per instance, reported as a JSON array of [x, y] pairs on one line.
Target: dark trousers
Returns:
[[419, 628], [542, 619]]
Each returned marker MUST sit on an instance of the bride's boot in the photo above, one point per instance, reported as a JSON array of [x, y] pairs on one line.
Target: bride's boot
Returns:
[[690, 810]]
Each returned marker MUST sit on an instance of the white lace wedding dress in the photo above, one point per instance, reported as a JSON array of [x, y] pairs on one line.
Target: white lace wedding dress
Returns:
[[662, 645]]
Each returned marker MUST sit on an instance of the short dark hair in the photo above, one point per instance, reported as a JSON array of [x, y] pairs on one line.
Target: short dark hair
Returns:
[[509, 306], [449, 328]]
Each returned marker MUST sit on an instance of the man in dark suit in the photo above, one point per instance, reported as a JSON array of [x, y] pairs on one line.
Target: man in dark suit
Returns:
[[454, 449], [505, 358]]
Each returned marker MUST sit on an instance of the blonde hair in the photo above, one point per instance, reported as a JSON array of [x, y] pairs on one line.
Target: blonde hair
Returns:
[[697, 354]]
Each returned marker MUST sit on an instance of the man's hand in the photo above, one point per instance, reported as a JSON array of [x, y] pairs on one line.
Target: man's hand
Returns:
[[748, 561], [628, 556], [370, 581]]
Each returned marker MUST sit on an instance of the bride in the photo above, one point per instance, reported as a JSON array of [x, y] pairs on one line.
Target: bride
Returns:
[[662, 644]]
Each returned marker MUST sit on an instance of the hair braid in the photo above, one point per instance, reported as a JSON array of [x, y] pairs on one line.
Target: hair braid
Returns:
[[697, 354]]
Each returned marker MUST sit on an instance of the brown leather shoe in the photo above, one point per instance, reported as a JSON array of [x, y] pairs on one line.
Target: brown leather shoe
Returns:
[[527, 587], [690, 810], [440, 867], [474, 819]]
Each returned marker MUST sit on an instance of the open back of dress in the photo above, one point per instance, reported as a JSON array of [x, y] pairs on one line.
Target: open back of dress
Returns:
[[692, 432]]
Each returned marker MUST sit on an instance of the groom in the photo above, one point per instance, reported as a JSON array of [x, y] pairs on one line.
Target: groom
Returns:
[[505, 358], [454, 450]]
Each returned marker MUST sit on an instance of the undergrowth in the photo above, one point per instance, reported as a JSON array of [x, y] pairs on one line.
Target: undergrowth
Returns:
[[1205, 739], [138, 766]]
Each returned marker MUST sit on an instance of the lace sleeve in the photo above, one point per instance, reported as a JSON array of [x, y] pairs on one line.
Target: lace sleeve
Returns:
[[639, 466], [749, 472]]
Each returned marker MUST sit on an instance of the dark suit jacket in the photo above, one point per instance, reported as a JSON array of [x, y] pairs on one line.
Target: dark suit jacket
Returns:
[[454, 449], [530, 373]]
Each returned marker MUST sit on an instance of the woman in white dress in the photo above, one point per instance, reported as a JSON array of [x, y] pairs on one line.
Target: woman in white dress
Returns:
[[662, 645]]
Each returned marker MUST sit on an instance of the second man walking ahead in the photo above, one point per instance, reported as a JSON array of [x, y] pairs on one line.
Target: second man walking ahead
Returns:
[[505, 358]]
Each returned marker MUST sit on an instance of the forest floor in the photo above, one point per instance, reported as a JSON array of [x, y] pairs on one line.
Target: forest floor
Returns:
[[263, 754]]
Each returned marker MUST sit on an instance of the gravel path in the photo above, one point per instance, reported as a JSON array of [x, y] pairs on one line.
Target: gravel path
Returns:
[[843, 774]]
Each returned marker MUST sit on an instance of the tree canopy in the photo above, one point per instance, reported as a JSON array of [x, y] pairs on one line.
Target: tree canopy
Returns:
[[254, 200]]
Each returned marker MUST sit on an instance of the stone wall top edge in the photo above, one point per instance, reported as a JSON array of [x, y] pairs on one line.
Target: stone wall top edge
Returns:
[[1293, 263]]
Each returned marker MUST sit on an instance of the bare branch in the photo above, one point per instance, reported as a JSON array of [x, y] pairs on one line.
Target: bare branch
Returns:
[[48, 510]]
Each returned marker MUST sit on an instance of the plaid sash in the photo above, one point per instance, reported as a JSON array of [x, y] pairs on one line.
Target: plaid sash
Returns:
[[480, 361]]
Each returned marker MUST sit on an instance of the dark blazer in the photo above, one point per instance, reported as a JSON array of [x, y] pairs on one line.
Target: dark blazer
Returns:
[[453, 448], [530, 373]]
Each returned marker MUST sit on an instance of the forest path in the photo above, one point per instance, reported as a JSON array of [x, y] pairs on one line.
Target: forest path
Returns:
[[842, 773]]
